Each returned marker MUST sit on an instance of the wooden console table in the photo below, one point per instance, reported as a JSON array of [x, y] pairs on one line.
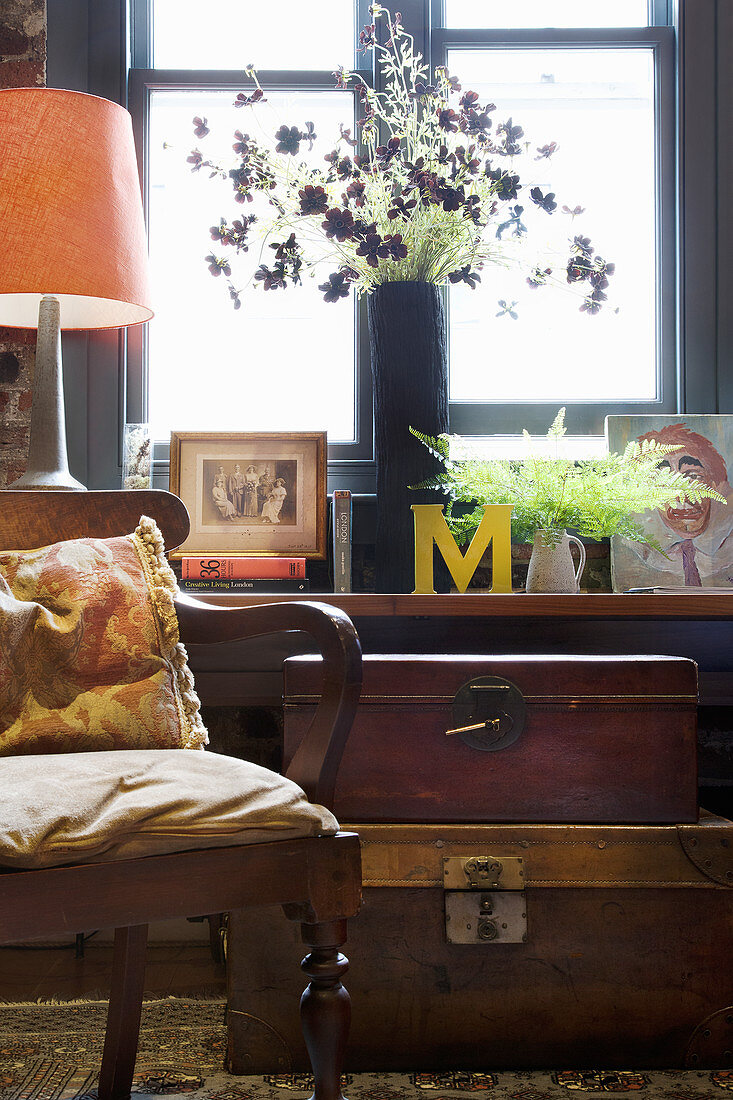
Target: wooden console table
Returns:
[[699, 626]]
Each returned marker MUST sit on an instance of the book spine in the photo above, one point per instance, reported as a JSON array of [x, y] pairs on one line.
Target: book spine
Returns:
[[341, 540], [223, 568], [273, 586]]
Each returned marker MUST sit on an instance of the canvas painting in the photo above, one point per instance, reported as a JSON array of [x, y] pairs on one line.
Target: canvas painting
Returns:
[[697, 538]]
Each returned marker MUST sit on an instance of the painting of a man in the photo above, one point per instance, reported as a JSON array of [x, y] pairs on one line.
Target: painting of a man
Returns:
[[697, 537]]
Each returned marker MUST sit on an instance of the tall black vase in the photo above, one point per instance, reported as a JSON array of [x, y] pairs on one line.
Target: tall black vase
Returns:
[[410, 376]]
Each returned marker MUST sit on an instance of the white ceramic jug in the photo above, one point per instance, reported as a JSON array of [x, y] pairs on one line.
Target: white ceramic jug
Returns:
[[551, 566]]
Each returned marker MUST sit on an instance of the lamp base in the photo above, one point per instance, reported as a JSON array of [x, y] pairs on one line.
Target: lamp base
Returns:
[[48, 466], [58, 480]]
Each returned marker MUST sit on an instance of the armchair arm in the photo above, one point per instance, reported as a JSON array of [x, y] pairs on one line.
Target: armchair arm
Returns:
[[316, 762]]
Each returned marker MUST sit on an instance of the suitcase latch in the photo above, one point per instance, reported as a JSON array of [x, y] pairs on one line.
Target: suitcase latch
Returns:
[[488, 713], [484, 899]]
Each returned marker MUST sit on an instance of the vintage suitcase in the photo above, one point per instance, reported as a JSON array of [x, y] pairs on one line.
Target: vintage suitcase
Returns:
[[513, 946], [495, 738]]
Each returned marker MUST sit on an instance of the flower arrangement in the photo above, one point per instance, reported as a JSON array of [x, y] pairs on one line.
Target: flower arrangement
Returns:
[[435, 194], [595, 497]]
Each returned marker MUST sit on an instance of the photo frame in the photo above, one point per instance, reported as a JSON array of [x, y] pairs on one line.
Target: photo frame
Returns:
[[251, 493]]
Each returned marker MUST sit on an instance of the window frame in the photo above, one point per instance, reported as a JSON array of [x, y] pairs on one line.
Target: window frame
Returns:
[[89, 49], [586, 417]]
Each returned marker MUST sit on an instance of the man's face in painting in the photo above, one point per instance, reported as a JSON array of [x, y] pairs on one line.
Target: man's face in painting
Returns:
[[689, 519]]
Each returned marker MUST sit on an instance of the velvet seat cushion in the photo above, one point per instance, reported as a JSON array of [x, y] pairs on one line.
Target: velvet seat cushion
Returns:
[[124, 804]]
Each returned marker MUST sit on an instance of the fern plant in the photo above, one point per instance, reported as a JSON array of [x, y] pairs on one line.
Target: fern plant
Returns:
[[595, 497]]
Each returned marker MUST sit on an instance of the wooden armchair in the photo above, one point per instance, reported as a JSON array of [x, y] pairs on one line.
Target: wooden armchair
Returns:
[[316, 879]]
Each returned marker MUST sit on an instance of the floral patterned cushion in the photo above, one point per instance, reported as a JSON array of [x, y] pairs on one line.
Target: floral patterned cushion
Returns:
[[89, 652]]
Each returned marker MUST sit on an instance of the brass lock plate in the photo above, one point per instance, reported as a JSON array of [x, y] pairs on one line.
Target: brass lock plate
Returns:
[[486, 917], [483, 872], [488, 713]]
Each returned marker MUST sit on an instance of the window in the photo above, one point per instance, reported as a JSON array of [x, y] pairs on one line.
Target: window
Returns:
[[528, 51]]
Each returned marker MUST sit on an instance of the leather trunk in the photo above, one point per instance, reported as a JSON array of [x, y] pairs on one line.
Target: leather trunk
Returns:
[[540, 738], [593, 946]]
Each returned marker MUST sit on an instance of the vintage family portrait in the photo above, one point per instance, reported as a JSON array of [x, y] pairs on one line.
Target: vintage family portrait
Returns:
[[696, 537], [252, 492]]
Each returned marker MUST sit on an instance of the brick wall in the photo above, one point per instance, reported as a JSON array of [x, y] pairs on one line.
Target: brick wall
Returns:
[[22, 65]]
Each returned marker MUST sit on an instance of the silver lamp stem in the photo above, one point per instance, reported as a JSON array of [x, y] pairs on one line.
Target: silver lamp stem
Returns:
[[48, 465]]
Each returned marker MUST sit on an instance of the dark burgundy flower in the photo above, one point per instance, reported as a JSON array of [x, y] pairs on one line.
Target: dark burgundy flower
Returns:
[[400, 208], [545, 202], [336, 287], [345, 168], [242, 146], [313, 200], [422, 91], [221, 232], [447, 119], [342, 83], [362, 229], [373, 249], [217, 265], [271, 278], [284, 250], [583, 246], [544, 152], [200, 128], [397, 249], [243, 100], [452, 198], [196, 159], [512, 134], [506, 187], [468, 100], [242, 182], [366, 38], [234, 295], [346, 136], [466, 159], [465, 275], [591, 305], [476, 123], [451, 81], [538, 277], [355, 192], [339, 224], [385, 153], [578, 269], [289, 139], [473, 209]]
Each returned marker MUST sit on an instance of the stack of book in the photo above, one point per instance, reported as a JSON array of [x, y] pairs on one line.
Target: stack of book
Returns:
[[235, 575]]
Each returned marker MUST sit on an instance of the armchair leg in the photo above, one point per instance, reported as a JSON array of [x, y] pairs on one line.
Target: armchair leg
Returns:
[[325, 1007], [123, 1018]]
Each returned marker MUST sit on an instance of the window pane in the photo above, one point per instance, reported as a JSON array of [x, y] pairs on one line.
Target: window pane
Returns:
[[540, 13], [231, 34], [598, 106], [267, 366]]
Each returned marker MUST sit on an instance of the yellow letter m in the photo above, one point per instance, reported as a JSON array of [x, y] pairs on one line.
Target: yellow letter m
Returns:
[[495, 528]]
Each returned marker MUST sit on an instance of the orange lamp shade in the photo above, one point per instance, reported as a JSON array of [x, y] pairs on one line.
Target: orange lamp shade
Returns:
[[71, 219]]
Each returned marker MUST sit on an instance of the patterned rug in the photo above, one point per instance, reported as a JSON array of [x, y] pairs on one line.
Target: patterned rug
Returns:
[[52, 1052]]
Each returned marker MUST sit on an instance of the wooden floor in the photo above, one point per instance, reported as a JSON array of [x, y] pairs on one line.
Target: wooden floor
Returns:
[[29, 974]]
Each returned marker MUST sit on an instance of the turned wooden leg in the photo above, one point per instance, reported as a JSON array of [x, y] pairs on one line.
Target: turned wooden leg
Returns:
[[325, 1007], [123, 1018]]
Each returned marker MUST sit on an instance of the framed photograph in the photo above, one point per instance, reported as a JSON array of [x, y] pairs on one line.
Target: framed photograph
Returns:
[[697, 538], [261, 493]]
